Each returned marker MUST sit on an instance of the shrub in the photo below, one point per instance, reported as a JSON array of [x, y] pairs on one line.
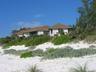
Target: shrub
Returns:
[[26, 54], [32, 53], [37, 40], [61, 39]]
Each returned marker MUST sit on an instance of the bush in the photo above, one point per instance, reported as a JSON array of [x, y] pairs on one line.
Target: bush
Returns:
[[32, 53], [37, 40], [26, 54], [60, 39]]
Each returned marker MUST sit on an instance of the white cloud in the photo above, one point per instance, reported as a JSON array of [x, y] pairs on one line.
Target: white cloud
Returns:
[[22, 24], [38, 15]]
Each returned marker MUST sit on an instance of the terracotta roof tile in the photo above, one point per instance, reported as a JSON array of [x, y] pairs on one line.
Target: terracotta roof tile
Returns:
[[41, 28]]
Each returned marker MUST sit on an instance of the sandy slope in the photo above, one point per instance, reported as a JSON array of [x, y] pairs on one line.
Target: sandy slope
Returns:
[[78, 45], [10, 63], [47, 45]]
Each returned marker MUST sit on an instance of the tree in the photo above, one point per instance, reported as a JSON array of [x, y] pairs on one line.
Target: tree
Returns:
[[86, 24]]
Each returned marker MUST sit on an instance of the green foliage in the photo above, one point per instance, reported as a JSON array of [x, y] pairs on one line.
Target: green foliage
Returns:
[[80, 69], [59, 53], [34, 69], [86, 24], [26, 54], [37, 40], [60, 39], [5, 40], [68, 52], [32, 41], [38, 52], [14, 52], [32, 53]]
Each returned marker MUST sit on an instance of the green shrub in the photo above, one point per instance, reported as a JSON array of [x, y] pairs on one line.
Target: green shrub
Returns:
[[26, 54], [61, 39], [37, 40], [32, 53]]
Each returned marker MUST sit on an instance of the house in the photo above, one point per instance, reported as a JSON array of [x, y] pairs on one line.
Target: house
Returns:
[[57, 29], [43, 30]]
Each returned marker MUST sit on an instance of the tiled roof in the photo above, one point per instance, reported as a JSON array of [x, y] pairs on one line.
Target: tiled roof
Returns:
[[60, 26], [41, 28]]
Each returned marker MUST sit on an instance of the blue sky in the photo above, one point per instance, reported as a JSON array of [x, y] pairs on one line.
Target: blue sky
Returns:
[[29, 13]]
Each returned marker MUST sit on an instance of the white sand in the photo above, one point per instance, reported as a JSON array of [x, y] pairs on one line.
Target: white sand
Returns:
[[77, 45], [18, 47], [45, 46], [9, 63]]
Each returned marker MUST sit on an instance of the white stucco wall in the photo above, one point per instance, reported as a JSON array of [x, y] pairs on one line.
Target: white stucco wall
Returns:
[[54, 32], [20, 35], [26, 35], [65, 31], [40, 33]]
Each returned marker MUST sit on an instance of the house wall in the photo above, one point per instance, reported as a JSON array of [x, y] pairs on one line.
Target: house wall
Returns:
[[51, 32], [54, 32], [20, 35], [65, 31], [26, 35], [40, 33]]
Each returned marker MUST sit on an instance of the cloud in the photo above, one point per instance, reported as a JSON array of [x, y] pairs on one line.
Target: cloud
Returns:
[[23, 24], [38, 16], [35, 22]]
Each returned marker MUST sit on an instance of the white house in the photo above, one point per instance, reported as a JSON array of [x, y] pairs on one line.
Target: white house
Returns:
[[56, 29], [43, 30]]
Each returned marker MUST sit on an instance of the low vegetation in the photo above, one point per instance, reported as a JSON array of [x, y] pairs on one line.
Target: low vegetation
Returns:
[[32, 53], [35, 40], [26, 54], [68, 52], [61, 39], [59, 53], [34, 69], [31, 41], [81, 69]]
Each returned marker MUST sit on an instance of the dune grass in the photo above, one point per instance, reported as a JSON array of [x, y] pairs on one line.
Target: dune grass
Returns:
[[34, 69], [60, 53]]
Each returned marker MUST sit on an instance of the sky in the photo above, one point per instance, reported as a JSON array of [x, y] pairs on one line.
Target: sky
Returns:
[[15, 14]]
